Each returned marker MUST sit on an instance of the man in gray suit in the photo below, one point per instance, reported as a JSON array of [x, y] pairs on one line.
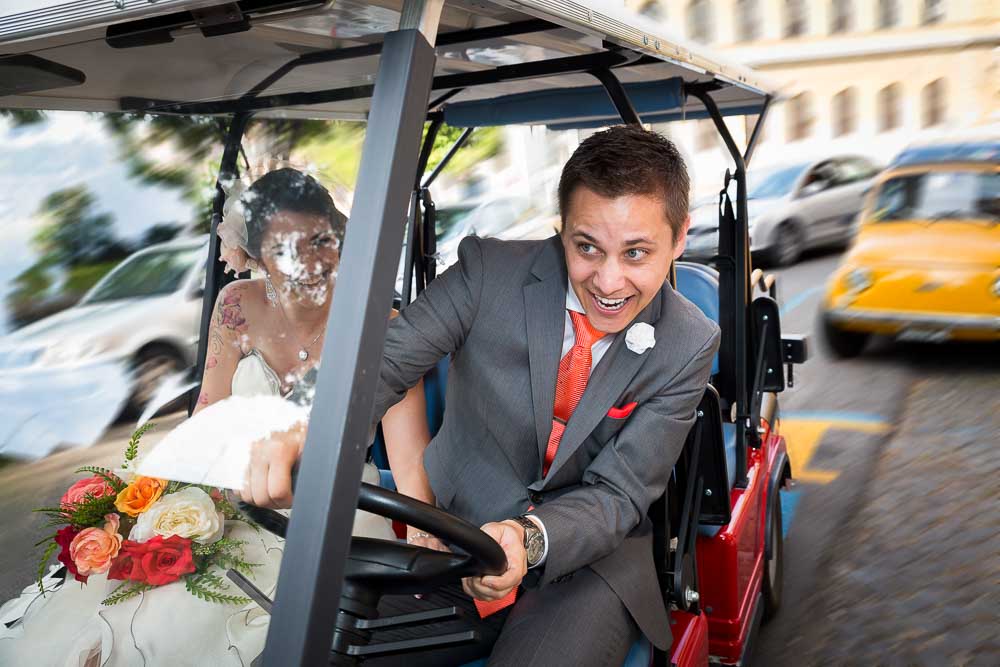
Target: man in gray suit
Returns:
[[504, 314], [575, 373]]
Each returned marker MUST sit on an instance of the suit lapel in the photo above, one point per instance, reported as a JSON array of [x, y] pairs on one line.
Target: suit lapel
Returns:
[[545, 306], [607, 382]]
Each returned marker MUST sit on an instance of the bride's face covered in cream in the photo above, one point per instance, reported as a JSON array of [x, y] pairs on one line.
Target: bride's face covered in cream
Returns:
[[301, 254]]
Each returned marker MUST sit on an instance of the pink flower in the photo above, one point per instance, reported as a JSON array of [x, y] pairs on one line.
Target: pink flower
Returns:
[[95, 486], [93, 549]]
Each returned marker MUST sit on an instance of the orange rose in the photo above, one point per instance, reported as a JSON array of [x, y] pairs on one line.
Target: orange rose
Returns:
[[93, 549], [139, 495]]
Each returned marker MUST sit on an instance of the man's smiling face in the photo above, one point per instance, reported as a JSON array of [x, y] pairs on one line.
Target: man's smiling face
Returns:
[[618, 254]]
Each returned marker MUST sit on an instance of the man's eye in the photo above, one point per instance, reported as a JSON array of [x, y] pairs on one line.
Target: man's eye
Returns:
[[587, 248], [322, 241], [636, 253]]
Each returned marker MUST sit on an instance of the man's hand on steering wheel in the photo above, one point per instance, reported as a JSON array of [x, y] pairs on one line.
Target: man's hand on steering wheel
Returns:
[[510, 536]]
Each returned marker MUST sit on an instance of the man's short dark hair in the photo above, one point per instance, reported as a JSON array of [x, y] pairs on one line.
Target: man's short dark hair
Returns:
[[628, 160]]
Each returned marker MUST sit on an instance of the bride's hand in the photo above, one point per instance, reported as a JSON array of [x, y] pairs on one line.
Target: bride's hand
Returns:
[[269, 478], [421, 539]]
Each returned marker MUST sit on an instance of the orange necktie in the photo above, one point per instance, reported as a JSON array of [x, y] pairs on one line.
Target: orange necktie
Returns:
[[571, 382]]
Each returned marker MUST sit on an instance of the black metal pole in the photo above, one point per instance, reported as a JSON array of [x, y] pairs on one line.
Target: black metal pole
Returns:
[[413, 237], [617, 94], [734, 290], [757, 129], [439, 167], [319, 534], [214, 276]]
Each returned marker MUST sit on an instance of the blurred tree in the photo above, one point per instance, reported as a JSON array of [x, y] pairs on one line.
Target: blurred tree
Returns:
[[21, 117], [72, 233], [182, 152], [161, 232], [338, 151]]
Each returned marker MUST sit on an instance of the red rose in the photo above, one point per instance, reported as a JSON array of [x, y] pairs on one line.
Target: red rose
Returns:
[[157, 562], [123, 567], [64, 537]]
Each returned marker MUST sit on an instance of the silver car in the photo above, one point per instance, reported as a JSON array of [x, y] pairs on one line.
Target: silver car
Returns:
[[143, 315], [792, 209]]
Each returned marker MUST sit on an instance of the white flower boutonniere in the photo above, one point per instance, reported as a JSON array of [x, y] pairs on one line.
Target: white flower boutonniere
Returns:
[[640, 337]]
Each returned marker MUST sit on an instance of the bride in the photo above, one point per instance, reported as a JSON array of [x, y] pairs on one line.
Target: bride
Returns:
[[266, 334]]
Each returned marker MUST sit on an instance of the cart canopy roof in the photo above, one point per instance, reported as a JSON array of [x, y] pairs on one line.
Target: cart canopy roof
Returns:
[[499, 62]]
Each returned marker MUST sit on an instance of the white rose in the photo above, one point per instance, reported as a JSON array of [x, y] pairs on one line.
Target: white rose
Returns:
[[640, 337], [188, 513]]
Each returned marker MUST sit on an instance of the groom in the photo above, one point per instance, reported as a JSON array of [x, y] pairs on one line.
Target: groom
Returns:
[[574, 378], [575, 373]]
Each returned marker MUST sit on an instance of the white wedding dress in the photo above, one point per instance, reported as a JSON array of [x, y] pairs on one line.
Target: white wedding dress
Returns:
[[69, 627]]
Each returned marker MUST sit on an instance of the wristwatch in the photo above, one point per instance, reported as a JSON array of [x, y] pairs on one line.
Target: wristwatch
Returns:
[[534, 541]]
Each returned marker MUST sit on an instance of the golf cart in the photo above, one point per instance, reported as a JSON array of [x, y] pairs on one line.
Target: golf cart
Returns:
[[406, 68]]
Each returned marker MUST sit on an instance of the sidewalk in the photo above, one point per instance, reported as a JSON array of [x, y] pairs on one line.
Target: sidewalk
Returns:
[[916, 578]]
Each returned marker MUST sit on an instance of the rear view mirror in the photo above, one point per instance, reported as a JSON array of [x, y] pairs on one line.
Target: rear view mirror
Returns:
[[766, 345]]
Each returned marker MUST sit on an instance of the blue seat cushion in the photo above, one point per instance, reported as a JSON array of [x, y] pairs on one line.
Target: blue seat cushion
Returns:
[[640, 655], [699, 284], [435, 383]]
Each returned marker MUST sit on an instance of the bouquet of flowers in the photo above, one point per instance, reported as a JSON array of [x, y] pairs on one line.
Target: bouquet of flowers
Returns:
[[175, 531]]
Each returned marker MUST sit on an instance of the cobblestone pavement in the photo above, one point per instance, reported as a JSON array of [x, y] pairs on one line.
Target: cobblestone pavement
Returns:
[[916, 578]]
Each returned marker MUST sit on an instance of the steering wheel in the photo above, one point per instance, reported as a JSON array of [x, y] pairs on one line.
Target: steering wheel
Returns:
[[386, 566]]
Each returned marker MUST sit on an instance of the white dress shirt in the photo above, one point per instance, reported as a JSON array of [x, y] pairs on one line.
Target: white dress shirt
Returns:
[[597, 353]]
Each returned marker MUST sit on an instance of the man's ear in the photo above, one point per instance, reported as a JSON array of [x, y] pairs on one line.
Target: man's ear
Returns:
[[682, 238]]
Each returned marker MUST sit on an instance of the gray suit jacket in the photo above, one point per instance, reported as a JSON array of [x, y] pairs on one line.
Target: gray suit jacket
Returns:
[[500, 311]]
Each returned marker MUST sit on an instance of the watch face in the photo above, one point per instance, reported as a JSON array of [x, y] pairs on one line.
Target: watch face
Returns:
[[535, 546]]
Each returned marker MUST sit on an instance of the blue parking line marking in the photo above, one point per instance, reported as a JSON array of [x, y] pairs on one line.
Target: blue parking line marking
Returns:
[[800, 299], [789, 503], [835, 416]]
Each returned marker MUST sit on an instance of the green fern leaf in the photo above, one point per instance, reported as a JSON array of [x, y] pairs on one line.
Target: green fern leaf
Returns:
[[51, 549], [132, 450], [120, 594]]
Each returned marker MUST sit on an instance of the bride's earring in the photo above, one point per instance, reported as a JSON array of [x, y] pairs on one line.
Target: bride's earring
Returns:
[[272, 296]]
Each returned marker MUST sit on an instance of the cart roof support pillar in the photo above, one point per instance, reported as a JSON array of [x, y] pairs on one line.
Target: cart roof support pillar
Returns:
[[214, 278], [734, 294], [319, 535]]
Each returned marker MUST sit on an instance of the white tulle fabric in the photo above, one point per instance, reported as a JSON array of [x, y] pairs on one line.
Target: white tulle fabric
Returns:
[[166, 626]]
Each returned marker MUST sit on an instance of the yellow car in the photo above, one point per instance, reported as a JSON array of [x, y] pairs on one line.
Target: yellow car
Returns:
[[926, 262]]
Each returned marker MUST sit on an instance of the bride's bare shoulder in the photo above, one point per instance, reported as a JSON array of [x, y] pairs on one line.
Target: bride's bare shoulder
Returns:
[[239, 303]]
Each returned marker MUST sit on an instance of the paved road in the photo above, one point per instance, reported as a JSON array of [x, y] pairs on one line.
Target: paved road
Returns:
[[891, 557], [891, 553]]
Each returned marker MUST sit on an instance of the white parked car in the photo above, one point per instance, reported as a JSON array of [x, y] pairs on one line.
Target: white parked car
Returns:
[[509, 218], [792, 209], [144, 316]]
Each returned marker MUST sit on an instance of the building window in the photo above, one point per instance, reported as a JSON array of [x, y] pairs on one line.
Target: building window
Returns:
[[933, 102], [890, 113], [706, 136], [888, 14], [845, 112], [654, 9], [841, 16], [933, 12], [699, 21], [795, 18], [800, 117], [747, 20]]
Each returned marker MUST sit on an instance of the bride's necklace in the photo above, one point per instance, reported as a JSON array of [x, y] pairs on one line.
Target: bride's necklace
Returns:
[[303, 349]]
